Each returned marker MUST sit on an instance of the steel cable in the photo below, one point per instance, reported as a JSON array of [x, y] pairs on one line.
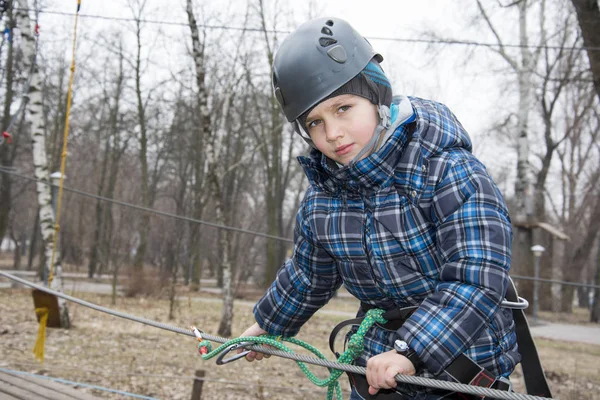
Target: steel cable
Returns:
[[414, 380]]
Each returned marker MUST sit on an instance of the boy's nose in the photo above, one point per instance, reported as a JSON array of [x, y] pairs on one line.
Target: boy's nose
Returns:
[[333, 132]]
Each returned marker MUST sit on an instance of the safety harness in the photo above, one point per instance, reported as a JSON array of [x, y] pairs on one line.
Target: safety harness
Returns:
[[462, 369]]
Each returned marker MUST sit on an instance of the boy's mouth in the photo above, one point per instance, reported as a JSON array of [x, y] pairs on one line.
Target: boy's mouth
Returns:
[[343, 149]]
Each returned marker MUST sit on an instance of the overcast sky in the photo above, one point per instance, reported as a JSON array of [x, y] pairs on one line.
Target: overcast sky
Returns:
[[470, 88]]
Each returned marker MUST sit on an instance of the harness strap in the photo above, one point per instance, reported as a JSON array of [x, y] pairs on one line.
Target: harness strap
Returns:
[[533, 373], [465, 370], [462, 369], [395, 316]]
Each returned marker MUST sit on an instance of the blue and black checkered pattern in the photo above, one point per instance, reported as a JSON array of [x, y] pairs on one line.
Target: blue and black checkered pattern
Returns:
[[419, 222]]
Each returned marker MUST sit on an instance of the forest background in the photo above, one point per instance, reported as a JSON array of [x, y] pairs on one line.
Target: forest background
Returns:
[[173, 111]]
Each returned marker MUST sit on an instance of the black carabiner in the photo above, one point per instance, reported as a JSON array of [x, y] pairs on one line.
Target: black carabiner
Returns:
[[221, 361]]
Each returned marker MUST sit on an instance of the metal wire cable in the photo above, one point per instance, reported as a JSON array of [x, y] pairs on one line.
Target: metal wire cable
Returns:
[[577, 284], [414, 380], [386, 38], [11, 171], [146, 209]]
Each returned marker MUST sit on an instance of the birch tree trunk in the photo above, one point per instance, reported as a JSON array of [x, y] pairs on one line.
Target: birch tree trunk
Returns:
[[5, 151], [199, 137], [215, 170], [523, 187], [140, 254], [216, 175], [523, 67], [40, 161]]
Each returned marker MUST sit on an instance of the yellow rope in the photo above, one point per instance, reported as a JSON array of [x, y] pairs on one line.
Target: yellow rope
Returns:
[[63, 155], [38, 348]]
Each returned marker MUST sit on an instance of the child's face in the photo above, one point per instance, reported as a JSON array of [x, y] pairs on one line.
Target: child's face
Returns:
[[340, 127]]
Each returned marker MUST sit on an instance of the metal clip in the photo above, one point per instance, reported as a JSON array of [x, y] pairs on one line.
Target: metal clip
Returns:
[[522, 304], [197, 333], [221, 361]]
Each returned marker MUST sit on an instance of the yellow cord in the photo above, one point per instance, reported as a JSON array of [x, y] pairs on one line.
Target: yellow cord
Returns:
[[38, 348], [63, 155]]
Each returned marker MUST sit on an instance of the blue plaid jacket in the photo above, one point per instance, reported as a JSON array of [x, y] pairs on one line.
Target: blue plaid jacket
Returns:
[[419, 222]]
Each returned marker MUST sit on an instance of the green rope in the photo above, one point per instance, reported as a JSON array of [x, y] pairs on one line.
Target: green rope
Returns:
[[355, 348]]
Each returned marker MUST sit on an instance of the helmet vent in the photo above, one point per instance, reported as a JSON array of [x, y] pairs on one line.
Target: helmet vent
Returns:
[[324, 42], [326, 31], [329, 23]]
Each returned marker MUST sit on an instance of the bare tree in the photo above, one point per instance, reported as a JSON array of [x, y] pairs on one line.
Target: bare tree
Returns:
[[40, 157], [7, 153], [226, 154], [524, 66], [114, 147], [560, 69], [201, 132], [181, 169], [140, 255], [151, 152], [580, 181], [595, 315], [278, 163], [588, 14]]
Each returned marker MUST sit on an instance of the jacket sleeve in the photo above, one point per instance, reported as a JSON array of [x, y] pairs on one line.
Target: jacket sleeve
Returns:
[[473, 239], [304, 284]]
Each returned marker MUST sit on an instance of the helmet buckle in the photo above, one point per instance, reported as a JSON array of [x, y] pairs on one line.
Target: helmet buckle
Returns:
[[384, 115]]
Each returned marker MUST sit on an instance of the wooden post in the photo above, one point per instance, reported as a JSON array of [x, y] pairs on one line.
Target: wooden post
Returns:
[[197, 388]]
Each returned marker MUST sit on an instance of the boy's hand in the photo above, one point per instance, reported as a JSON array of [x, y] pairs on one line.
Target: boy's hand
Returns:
[[382, 369], [254, 330]]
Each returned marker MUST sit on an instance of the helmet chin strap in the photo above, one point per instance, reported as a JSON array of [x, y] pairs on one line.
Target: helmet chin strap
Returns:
[[385, 122], [303, 134]]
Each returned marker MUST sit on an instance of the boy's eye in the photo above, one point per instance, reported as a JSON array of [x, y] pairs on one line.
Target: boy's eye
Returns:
[[344, 108], [313, 123]]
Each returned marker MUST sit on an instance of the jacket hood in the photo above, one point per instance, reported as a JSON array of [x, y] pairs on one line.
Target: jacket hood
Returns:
[[420, 129]]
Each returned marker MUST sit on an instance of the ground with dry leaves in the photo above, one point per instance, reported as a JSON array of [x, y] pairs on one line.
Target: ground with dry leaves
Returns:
[[111, 352]]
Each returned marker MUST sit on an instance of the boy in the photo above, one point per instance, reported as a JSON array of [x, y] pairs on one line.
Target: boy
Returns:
[[398, 210]]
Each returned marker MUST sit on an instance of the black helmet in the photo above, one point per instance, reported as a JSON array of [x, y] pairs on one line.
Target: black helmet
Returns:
[[315, 60]]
